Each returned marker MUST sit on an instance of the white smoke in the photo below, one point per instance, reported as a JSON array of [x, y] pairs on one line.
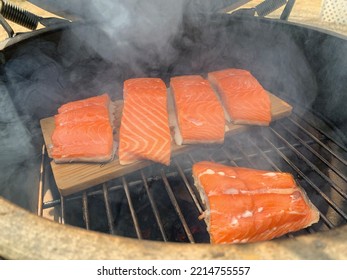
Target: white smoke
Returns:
[[17, 156]]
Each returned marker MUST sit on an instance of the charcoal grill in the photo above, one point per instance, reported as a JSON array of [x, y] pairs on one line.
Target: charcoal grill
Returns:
[[131, 216]]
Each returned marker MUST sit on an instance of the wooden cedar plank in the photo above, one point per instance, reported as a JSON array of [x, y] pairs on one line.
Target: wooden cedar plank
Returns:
[[74, 177]]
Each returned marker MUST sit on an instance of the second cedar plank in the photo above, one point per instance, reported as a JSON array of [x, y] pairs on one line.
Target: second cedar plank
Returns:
[[75, 177]]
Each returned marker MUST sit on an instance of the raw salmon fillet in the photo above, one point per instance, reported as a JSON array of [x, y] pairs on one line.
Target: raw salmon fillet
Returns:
[[200, 115], [100, 100], [247, 205], [244, 98], [144, 131], [83, 114], [86, 141], [83, 131]]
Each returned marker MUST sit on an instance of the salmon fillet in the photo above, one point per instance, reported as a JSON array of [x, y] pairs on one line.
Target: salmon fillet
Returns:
[[144, 131], [83, 131], [83, 114], [244, 98], [247, 205], [100, 100], [86, 141], [200, 115]]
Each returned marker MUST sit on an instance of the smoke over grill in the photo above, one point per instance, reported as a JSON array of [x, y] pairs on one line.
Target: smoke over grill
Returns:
[[124, 39]]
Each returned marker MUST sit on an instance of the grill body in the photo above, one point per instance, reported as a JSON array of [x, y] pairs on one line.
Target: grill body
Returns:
[[301, 65]]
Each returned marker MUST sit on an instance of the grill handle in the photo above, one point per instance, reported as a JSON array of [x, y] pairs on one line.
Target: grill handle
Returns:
[[6, 26], [18, 15], [24, 18], [266, 7], [269, 6], [287, 10]]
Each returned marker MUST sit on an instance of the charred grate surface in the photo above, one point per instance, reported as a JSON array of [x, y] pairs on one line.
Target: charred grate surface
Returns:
[[161, 203]]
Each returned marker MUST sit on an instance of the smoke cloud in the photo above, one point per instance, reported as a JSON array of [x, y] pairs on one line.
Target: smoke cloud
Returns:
[[17, 156]]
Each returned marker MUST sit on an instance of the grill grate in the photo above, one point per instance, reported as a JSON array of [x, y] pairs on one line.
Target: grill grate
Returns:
[[161, 203]]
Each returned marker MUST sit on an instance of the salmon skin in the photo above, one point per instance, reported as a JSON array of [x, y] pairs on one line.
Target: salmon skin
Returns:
[[200, 115], [144, 131], [83, 131], [248, 205], [244, 98]]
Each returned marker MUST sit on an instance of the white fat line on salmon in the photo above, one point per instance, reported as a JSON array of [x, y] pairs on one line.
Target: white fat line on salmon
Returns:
[[247, 214], [231, 191], [296, 195], [173, 119], [195, 121], [259, 191], [234, 222], [281, 212], [212, 172], [235, 219]]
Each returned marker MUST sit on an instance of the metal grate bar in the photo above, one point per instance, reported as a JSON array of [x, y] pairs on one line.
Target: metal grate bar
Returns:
[[265, 152], [313, 185], [324, 218], [177, 207], [289, 235], [233, 160], [191, 158], [305, 150], [309, 163], [321, 131], [318, 141], [338, 172], [230, 158], [40, 191], [310, 230], [85, 210], [264, 155], [51, 203], [154, 207], [188, 186], [245, 156], [55, 202], [62, 200], [132, 210], [275, 167], [108, 208], [62, 210]]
